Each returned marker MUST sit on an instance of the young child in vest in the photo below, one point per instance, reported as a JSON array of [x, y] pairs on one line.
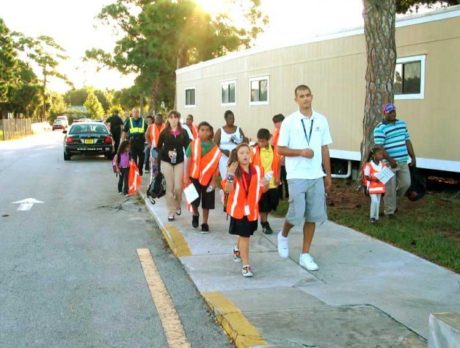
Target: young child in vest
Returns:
[[121, 165], [202, 167], [244, 184], [265, 156], [374, 186]]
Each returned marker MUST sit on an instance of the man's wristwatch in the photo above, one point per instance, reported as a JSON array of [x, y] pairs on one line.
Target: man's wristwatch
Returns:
[[230, 178]]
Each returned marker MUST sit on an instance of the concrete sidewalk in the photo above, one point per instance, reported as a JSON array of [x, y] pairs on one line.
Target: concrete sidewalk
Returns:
[[366, 293]]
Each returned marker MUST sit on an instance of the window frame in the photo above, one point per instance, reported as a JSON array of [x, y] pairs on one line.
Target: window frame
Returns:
[[194, 96], [227, 83], [411, 59], [258, 79]]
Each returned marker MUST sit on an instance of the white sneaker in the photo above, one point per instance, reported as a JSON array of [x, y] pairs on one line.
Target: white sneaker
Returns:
[[306, 261], [283, 246]]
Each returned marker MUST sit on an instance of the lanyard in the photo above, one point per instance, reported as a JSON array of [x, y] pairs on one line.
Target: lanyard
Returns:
[[245, 184], [305, 132]]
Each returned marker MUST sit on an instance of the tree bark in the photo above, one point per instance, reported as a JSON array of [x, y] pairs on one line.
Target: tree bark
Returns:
[[154, 93], [379, 32]]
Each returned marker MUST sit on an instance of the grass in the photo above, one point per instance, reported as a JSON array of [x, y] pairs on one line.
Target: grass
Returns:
[[428, 228]]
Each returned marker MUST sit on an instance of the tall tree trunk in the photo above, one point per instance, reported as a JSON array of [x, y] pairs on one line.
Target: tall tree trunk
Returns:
[[43, 113], [379, 32], [154, 93]]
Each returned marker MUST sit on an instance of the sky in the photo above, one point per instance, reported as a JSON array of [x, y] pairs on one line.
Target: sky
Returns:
[[73, 25]]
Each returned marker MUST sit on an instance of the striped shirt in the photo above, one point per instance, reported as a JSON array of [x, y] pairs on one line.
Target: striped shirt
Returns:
[[393, 137]]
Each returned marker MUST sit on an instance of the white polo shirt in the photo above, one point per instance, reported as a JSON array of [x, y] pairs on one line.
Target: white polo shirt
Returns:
[[293, 136]]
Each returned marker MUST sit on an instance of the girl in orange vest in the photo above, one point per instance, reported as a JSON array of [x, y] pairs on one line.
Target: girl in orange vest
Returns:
[[244, 185], [265, 156], [203, 157], [374, 186]]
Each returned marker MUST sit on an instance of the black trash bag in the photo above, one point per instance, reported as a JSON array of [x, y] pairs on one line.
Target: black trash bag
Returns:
[[157, 187], [417, 187]]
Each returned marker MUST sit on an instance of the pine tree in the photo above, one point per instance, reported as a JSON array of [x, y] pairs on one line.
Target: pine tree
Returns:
[[93, 106]]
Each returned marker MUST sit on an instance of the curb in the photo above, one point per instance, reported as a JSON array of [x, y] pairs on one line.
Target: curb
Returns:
[[230, 318]]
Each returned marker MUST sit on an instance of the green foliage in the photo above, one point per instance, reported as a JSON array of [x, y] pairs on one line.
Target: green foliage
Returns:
[[161, 36], [56, 105], [93, 106], [76, 96], [105, 98], [9, 69]]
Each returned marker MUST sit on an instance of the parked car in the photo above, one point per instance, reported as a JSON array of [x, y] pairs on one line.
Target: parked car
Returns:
[[60, 124], [88, 138]]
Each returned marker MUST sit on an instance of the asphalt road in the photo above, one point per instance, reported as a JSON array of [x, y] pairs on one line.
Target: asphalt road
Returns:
[[69, 272]]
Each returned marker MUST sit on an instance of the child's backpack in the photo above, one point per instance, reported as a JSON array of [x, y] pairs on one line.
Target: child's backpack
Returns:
[[157, 187]]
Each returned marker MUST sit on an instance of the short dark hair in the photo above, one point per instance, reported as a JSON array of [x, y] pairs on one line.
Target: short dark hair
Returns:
[[263, 133], [301, 88], [278, 118], [228, 113], [190, 116], [205, 124], [150, 116]]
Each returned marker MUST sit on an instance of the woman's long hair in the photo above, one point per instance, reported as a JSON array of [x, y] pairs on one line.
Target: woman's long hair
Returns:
[[122, 148], [168, 125], [234, 158]]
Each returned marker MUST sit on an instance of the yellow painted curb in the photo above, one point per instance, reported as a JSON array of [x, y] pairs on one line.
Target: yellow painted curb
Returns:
[[176, 241], [234, 323], [173, 236]]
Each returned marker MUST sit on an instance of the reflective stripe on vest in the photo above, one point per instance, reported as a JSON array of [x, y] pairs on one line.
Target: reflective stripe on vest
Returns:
[[155, 134], [239, 198], [203, 168], [136, 130], [255, 159], [374, 187]]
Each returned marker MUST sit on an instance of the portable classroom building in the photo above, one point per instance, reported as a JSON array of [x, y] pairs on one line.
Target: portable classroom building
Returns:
[[259, 83]]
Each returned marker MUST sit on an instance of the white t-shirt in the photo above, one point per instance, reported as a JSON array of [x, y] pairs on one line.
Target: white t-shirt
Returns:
[[292, 135]]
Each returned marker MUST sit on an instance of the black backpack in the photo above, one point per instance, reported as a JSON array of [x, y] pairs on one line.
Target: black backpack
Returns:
[[417, 188], [157, 187]]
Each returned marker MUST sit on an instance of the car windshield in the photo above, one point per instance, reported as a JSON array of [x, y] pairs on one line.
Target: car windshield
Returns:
[[88, 128]]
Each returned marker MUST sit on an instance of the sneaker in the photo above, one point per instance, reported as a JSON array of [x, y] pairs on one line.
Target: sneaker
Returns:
[[283, 246], [306, 261], [204, 228], [236, 254], [373, 221], [179, 211], [266, 228], [171, 217], [247, 271], [195, 221], [147, 170]]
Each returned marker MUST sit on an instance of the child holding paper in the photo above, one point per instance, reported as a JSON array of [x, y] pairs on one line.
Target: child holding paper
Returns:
[[374, 186], [201, 170]]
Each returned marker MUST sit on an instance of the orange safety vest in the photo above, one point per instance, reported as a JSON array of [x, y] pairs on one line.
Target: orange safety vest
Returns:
[[134, 179], [275, 138], [153, 133], [255, 159], [373, 187], [194, 131], [203, 167], [238, 198]]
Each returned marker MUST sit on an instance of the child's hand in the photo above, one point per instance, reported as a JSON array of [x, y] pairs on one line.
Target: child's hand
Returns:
[[232, 168], [186, 181]]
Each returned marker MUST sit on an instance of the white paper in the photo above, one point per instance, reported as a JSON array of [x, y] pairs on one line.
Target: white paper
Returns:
[[384, 175], [190, 193]]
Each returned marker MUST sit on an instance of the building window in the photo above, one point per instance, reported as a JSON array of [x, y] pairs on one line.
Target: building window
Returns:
[[190, 97], [409, 81], [228, 92], [259, 90]]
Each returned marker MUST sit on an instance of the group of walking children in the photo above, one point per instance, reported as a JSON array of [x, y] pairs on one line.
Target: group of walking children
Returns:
[[250, 181]]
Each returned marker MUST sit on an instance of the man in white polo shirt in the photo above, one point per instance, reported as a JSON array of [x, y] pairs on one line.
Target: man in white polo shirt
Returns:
[[304, 139]]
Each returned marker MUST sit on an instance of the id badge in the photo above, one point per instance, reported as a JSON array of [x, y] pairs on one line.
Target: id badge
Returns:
[[246, 209]]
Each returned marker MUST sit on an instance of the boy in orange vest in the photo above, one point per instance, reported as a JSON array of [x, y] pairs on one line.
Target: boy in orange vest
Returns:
[[201, 169], [153, 134], [265, 156]]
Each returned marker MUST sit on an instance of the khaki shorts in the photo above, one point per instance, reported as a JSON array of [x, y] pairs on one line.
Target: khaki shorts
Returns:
[[307, 201]]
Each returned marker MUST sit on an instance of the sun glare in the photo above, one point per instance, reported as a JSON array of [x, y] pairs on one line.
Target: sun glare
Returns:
[[213, 7]]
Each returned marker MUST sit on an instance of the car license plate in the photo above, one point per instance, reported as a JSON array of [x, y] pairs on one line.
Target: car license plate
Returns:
[[89, 141]]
